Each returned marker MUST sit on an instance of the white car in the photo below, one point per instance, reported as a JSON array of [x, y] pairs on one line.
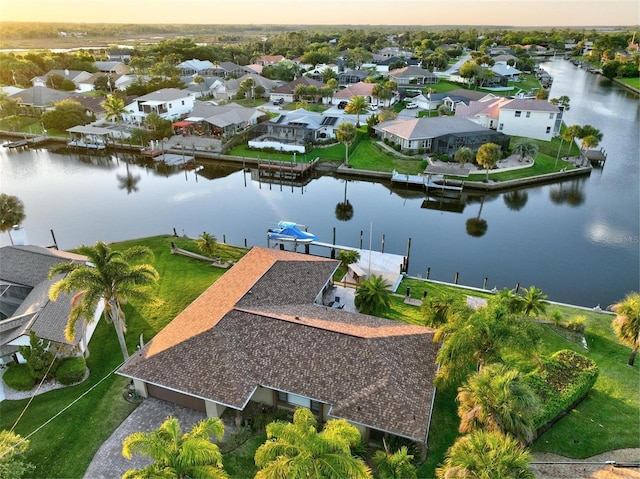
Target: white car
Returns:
[[373, 107], [411, 106]]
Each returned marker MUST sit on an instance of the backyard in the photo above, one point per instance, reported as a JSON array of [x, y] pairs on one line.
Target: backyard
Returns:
[[67, 426]]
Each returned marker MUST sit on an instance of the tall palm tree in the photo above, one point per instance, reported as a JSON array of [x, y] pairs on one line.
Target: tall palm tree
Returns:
[[440, 310], [464, 155], [115, 108], [485, 455], [627, 323], [398, 465], [346, 133], [590, 142], [108, 277], [569, 134], [357, 105], [533, 301], [206, 243], [298, 450], [496, 399], [348, 256], [373, 296], [526, 148], [11, 212], [175, 454], [488, 155]]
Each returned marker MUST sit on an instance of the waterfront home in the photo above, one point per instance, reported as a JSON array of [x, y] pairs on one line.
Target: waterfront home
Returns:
[[262, 335], [514, 116], [168, 103], [39, 98], [219, 120], [438, 135], [25, 304]]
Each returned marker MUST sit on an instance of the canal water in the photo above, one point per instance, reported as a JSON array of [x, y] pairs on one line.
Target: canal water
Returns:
[[576, 240]]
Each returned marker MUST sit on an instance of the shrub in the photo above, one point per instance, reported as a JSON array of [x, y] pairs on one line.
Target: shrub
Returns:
[[556, 317], [19, 377], [577, 324], [560, 383], [71, 370], [41, 361]]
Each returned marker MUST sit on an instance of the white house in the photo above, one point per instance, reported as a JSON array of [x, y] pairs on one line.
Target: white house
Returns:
[[169, 103], [513, 116]]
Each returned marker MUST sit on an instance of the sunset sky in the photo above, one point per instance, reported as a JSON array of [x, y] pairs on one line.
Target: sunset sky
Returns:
[[572, 13]]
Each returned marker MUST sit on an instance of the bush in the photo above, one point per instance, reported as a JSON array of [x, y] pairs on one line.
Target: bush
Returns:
[[577, 324], [19, 377], [71, 370], [560, 383], [556, 317]]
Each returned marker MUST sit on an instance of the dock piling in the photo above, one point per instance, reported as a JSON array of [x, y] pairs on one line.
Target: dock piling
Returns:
[[382, 246], [484, 283], [428, 272], [455, 279], [333, 250]]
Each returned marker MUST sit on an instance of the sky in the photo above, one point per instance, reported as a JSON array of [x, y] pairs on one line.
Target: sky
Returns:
[[519, 13]]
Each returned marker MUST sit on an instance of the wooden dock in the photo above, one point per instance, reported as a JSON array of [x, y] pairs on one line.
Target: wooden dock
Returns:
[[425, 182], [596, 156], [285, 170]]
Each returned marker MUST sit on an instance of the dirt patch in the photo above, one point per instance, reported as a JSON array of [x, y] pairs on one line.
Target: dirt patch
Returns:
[[594, 467]]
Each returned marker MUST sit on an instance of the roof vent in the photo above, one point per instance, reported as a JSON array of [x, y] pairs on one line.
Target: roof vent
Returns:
[[298, 318]]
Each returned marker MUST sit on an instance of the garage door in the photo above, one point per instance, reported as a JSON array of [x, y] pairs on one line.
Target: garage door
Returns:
[[176, 397]]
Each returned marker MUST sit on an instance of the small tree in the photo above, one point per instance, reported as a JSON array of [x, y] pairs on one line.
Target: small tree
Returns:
[[488, 155], [346, 133], [464, 155], [526, 148], [627, 323], [398, 465], [39, 359], [11, 212], [206, 243], [12, 451], [373, 296], [348, 257]]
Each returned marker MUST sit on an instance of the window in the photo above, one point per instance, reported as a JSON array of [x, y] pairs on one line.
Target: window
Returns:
[[501, 127], [548, 130], [528, 114], [518, 113], [182, 102], [551, 116], [296, 400]]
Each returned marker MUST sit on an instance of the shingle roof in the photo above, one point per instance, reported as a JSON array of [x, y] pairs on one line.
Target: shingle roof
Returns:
[[258, 325], [289, 87], [430, 127], [360, 88]]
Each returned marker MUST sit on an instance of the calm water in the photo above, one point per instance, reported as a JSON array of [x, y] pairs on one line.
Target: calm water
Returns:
[[578, 240]]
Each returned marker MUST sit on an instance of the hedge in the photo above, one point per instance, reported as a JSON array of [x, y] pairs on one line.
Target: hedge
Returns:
[[71, 370], [561, 382], [18, 377]]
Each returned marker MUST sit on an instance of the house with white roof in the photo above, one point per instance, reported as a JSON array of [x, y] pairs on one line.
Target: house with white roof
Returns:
[[169, 103], [194, 67]]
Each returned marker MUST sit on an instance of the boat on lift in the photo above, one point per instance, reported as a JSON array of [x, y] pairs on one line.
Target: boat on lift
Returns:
[[291, 232]]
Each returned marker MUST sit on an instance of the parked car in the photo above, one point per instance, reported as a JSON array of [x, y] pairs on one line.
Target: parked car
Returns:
[[278, 101], [411, 106], [342, 105], [373, 107]]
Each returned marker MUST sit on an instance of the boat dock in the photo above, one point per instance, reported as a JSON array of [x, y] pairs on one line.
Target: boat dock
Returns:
[[285, 170], [173, 159], [425, 182], [596, 156]]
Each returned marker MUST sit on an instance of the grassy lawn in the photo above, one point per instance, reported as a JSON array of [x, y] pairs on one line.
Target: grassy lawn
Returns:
[[632, 82], [369, 155]]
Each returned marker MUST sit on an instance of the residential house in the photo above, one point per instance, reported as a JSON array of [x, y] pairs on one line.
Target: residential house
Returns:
[[118, 81], [228, 89], [438, 134], [194, 67], [267, 60], [219, 120], [169, 103], [382, 64], [286, 91], [357, 89], [76, 76], [514, 116], [412, 75], [261, 334], [114, 67], [25, 305], [295, 130], [462, 96], [503, 70], [92, 104], [351, 77], [39, 97], [226, 70], [318, 72], [120, 55]]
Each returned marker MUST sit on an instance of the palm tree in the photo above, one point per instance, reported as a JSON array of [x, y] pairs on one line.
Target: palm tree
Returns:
[[533, 301], [513, 302], [627, 323], [398, 465], [440, 310], [298, 450], [11, 212], [346, 133], [464, 155], [526, 148], [108, 277], [115, 108], [348, 256], [206, 243], [569, 134], [590, 142], [175, 454], [479, 339], [488, 155], [357, 105], [496, 399], [373, 296], [485, 455]]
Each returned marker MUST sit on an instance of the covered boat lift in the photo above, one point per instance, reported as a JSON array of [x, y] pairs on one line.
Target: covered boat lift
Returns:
[[90, 137]]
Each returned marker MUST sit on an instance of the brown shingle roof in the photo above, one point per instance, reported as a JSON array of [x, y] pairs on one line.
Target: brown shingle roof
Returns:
[[258, 326]]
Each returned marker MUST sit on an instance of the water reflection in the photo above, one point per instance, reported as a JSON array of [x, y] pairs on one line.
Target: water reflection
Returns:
[[515, 200], [570, 193], [477, 227], [128, 182]]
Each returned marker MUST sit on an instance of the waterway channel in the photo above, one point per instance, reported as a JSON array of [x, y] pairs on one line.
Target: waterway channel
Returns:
[[576, 240]]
